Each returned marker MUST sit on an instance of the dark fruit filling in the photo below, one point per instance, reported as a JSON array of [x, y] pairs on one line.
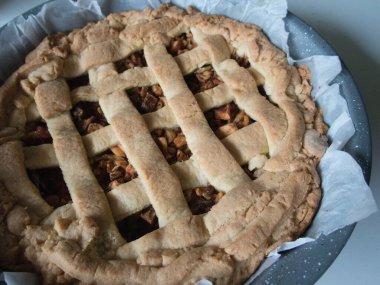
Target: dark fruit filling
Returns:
[[112, 168], [172, 144], [227, 119], [36, 133], [135, 59], [88, 117], [147, 99], [202, 79], [51, 185], [241, 60], [180, 44]]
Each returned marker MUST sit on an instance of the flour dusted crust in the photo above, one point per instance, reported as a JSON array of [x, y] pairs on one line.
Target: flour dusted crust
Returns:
[[80, 241]]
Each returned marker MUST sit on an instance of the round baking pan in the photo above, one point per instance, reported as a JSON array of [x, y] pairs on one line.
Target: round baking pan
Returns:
[[307, 263]]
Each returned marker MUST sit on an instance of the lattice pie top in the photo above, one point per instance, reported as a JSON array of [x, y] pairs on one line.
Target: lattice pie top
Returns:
[[184, 112]]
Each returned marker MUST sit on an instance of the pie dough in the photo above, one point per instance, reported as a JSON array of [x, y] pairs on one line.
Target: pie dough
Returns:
[[80, 240]]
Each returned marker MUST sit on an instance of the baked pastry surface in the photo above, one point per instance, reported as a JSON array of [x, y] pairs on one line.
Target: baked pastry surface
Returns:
[[194, 123]]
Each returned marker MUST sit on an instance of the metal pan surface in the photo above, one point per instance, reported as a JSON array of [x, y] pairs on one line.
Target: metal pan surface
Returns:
[[306, 264]]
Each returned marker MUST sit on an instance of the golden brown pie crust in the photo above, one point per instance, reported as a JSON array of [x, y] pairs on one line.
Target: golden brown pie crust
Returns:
[[282, 141]]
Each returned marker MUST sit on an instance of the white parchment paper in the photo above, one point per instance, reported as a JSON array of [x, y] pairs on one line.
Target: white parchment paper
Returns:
[[346, 196]]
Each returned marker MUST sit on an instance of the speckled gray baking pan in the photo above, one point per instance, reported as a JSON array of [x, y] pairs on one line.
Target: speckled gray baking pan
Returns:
[[306, 264]]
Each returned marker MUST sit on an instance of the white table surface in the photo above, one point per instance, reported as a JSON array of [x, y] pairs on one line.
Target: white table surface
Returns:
[[353, 29]]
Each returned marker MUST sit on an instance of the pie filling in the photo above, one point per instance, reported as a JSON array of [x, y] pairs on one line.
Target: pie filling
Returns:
[[135, 59], [88, 117], [147, 99], [51, 185], [241, 60], [172, 143], [82, 80], [138, 224], [36, 133], [49, 181], [181, 43], [112, 168], [202, 79], [227, 119], [200, 201]]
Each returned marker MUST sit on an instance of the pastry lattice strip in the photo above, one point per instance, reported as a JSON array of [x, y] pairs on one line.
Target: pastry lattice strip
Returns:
[[154, 171], [129, 198], [138, 76], [104, 138], [121, 198], [206, 99], [54, 104]]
